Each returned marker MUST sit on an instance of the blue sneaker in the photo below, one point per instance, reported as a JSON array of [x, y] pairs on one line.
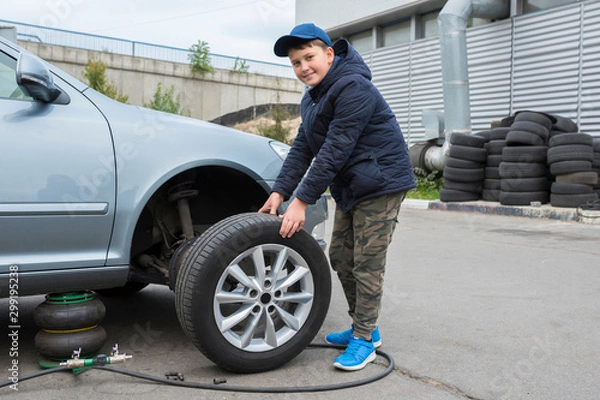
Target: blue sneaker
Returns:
[[343, 338], [357, 355]]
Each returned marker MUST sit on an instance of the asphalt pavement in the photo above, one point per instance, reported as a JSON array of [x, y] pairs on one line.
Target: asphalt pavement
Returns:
[[479, 303]]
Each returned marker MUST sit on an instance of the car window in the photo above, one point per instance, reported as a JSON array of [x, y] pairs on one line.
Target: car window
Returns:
[[8, 80]]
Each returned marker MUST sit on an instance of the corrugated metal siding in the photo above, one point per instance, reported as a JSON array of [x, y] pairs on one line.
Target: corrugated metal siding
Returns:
[[590, 71], [546, 61], [391, 75], [426, 83], [489, 60], [546, 55], [410, 78]]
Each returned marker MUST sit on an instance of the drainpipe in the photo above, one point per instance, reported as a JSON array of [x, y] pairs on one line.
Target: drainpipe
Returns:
[[452, 22]]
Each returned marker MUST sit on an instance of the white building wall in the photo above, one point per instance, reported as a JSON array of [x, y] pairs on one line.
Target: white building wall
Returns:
[[334, 13]]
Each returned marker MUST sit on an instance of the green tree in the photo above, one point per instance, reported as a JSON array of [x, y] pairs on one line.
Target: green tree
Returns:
[[166, 101], [199, 57], [277, 131], [95, 73]]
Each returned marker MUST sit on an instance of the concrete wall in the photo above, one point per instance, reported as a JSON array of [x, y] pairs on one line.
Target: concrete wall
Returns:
[[206, 98]]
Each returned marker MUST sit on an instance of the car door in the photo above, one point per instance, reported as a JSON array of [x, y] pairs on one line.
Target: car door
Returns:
[[57, 179]]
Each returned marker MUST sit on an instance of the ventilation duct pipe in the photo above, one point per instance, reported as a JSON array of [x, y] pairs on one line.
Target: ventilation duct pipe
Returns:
[[452, 22]]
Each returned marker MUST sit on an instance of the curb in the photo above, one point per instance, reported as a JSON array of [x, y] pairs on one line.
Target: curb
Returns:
[[494, 208]]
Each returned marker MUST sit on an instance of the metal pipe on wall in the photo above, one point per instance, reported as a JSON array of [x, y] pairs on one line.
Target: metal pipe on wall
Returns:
[[452, 22]]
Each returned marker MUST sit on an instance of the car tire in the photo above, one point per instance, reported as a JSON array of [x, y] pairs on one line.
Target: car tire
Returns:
[[563, 124], [570, 188], [522, 198], [495, 146], [570, 152], [449, 195], [486, 134], [525, 154], [513, 170], [499, 133], [585, 178], [572, 200], [533, 116], [490, 195], [458, 163], [494, 160], [569, 167], [474, 187], [492, 184], [570, 138], [465, 139], [468, 153], [464, 174], [524, 184], [231, 307], [532, 127], [524, 138], [492, 173]]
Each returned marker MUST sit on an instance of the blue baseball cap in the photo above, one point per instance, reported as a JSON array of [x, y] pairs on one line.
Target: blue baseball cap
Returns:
[[299, 33]]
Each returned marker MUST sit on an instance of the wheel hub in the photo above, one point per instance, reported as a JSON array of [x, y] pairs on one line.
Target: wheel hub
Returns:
[[271, 300]]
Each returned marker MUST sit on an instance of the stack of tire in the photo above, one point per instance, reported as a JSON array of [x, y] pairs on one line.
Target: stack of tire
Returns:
[[494, 147], [596, 164], [523, 170], [562, 125], [465, 168], [571, 156], [69, 321]]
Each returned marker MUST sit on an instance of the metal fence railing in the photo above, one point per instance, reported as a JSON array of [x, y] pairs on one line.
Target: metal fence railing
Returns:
[[87, 41]]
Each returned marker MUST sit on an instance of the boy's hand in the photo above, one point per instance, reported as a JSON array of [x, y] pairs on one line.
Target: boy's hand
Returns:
[[293, 219], [272, 204]]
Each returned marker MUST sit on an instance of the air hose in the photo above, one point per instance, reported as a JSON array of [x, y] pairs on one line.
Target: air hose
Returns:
[[229, 388]]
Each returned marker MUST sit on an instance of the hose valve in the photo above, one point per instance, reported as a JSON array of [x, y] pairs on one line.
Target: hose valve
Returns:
[[99, 360]]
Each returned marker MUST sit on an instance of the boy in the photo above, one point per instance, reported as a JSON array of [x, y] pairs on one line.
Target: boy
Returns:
[[360, 154]]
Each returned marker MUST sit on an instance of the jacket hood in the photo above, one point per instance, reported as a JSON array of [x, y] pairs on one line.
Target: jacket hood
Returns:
[[347, 62]]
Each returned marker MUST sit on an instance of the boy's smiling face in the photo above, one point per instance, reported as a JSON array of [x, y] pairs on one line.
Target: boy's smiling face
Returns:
[[311, 63]]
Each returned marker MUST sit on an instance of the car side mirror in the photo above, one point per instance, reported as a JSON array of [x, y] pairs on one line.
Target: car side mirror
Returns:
[[35, 80]]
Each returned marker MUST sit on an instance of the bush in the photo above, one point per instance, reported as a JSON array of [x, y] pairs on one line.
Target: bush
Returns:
[[200, 58], [428, 185], [95, 73], [241, 66], [277, 131], [165, 101]]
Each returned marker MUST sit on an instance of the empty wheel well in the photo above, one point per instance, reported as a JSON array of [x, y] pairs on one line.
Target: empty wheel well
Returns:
[[212, 192]]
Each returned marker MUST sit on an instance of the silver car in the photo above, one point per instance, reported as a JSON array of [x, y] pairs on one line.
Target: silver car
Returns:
[[99, 195]]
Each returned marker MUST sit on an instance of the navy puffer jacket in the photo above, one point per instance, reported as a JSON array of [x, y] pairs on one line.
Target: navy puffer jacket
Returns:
[[352, 135]]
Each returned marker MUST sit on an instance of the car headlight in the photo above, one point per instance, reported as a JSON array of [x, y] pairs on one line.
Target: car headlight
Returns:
[[281, 149], [318, 232]]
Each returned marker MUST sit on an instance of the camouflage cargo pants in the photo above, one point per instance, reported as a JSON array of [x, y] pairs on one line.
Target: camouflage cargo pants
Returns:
[[357, 253]]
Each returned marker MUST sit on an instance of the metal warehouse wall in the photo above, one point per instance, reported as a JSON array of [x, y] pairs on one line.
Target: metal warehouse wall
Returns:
[[546, 61]]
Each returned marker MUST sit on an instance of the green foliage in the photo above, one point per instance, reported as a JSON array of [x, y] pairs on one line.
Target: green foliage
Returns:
[[95, 73], [428, 185], [241, 66], [200, 58], [166, 101], [277, 131]]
